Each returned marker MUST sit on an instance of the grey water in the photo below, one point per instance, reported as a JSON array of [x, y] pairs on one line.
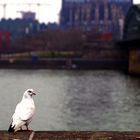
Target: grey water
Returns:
[[73, 100]]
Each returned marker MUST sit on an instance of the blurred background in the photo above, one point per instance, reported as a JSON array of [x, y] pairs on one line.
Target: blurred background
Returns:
[[80, 56]]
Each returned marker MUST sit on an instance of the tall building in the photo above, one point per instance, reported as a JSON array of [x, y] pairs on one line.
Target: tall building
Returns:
[[105, 15], [28, 15]]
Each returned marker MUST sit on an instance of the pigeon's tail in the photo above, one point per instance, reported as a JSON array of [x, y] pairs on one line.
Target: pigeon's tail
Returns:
[[11, 128]]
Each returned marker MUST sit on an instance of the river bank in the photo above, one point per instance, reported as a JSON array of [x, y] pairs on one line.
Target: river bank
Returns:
[[65, 64]]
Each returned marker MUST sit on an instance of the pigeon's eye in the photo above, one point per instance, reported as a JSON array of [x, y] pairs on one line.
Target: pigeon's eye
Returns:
[[30, 91]]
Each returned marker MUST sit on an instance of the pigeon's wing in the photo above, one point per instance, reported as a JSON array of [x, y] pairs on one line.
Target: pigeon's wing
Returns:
[[25, 111], [23, 114], [17, 123], [15, 115]]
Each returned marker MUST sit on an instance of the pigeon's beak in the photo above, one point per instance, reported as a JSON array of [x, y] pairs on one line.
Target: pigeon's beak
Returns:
[[33, 93]]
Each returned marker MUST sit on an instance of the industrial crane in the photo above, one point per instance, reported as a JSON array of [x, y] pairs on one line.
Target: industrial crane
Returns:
[[4, 5], [4, 9]]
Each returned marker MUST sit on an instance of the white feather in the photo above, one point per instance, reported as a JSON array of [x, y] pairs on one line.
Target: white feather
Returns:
[[24, 112]]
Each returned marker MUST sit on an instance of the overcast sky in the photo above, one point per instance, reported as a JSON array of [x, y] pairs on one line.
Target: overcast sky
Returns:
[[48, 12], [136, 1]]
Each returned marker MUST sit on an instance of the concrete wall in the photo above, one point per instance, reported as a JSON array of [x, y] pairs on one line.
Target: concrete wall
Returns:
[[69, 135], [65, 64]]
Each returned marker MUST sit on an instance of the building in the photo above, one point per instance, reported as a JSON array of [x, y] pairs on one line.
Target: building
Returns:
[[4, 40], [104, 15], [28, 15]]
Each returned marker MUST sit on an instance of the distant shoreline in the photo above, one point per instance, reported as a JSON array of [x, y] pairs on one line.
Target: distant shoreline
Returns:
[[65, 64]]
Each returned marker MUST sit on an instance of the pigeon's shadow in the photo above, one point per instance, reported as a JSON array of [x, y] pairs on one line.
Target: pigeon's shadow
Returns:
[[25, 131]]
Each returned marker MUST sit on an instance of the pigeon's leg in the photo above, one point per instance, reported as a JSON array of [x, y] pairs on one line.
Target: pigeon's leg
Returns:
[[20, 128], [27, 126]]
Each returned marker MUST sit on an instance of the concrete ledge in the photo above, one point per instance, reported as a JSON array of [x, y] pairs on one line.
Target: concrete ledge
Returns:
[[69, 135]]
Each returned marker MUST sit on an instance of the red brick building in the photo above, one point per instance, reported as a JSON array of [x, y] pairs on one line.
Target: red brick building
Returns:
[[4, 40]]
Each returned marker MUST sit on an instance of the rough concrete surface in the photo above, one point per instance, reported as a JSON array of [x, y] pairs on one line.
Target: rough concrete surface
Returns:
[[69, 135]]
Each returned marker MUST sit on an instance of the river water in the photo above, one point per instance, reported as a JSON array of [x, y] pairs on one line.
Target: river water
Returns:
[[73, 100]]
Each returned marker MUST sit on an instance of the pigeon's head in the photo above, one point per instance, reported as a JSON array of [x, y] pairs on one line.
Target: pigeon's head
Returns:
[[29, 93]]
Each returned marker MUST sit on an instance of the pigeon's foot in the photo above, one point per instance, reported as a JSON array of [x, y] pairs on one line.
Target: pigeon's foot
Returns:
[[24, 130]]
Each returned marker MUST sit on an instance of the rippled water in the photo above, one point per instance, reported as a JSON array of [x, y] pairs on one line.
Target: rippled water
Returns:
[[73, 100]]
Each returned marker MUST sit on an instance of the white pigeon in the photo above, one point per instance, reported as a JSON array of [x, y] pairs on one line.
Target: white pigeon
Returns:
[[24, 112]]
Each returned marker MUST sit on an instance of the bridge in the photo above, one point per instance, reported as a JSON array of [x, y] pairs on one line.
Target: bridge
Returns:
[[131, 39]]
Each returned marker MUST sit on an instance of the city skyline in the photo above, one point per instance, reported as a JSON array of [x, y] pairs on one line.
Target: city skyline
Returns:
[[47, 11]]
